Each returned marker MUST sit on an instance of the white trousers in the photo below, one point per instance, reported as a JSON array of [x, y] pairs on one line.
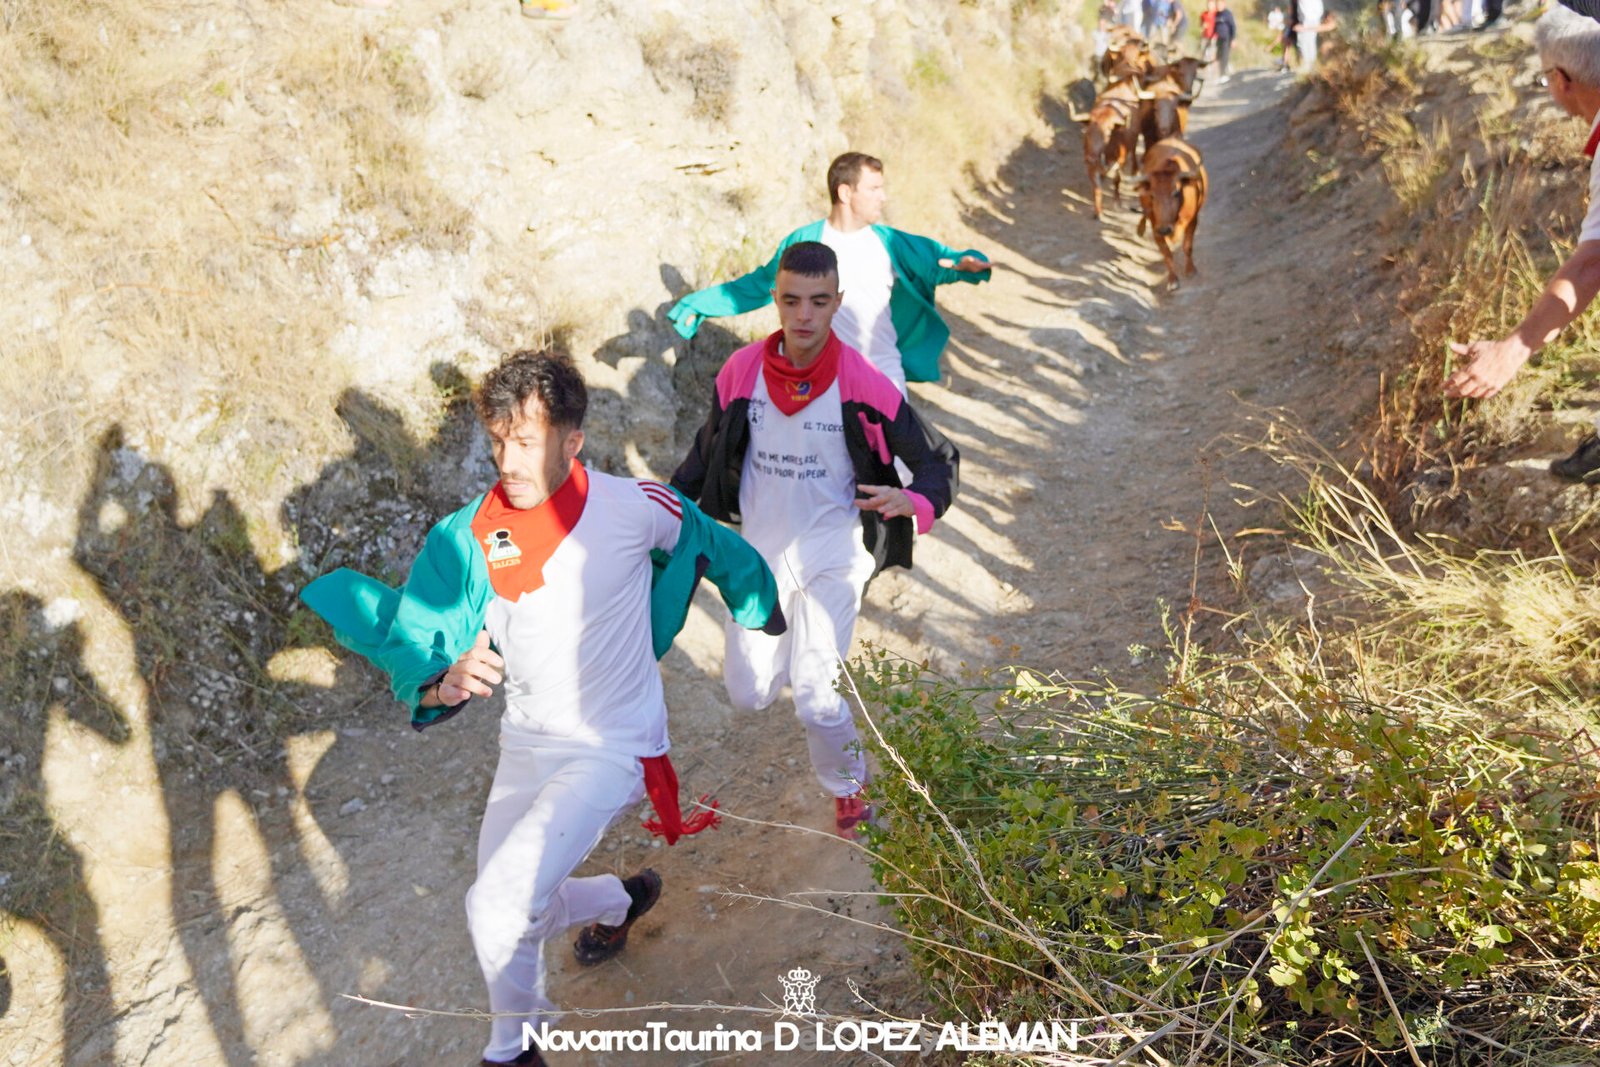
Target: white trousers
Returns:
[[547, 809], [822, 621], [1307, 40]]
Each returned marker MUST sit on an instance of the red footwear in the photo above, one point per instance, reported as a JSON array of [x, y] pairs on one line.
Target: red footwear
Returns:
[[849, 812]]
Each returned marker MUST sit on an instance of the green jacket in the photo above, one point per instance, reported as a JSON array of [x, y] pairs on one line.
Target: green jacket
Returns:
[[416, 632], [920, 332]]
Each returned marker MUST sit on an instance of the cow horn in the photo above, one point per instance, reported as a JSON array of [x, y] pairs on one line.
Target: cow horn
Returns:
[[1145, 94]]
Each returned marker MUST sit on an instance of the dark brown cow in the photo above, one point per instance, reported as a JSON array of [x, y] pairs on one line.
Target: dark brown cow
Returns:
[[1185, 71], [1111, 138], [1171, 194], [1164, 111]]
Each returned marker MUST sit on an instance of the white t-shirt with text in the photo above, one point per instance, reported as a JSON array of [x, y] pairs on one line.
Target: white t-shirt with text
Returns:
[[797, 489]]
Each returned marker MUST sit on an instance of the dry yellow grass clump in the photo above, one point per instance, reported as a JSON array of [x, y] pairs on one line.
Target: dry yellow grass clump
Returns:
[[189, 183]]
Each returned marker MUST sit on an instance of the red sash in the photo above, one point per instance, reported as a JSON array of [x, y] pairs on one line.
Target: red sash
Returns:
[[661, 784]]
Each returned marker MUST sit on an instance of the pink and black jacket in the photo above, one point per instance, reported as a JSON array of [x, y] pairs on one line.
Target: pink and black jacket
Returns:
[[879, 427]]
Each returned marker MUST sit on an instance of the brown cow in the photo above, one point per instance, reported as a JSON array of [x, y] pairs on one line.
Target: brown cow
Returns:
[[1132, 59], [1111, 138], [1185, 71], [1164, 111], [1171, 194], [1121, 36]]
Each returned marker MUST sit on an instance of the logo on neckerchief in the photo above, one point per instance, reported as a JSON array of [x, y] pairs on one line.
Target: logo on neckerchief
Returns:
[[799, 390], [503, 552]]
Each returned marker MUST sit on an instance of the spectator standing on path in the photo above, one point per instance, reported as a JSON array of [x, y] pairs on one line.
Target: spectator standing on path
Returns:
[[1226, 30], [1178, 23], [888, 277], [1569, 53], [547, 582], [1100, 41], [1306, 29], [1158, 24], [1208, 32], [1422, 16], [1130, 13], [800, 448], [1290, 44]]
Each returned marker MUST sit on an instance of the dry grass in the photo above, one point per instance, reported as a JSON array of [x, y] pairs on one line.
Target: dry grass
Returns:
[[1499, 630], [194, 286], [709, 70], [1483, 192], [956, 113]]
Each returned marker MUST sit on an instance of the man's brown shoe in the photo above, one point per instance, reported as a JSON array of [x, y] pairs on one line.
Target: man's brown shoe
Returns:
[[598, 942]]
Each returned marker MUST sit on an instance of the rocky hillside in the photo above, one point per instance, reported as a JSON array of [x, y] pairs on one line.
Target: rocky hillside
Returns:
[[218, 220]]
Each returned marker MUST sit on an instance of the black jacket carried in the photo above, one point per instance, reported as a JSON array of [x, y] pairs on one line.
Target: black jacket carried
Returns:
[[879, 427]]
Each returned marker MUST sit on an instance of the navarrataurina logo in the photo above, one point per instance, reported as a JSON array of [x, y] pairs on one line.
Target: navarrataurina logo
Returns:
[[799, 992]]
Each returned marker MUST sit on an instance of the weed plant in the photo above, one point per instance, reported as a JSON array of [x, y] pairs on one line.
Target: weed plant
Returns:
[[1368, 836], [1260, 863]]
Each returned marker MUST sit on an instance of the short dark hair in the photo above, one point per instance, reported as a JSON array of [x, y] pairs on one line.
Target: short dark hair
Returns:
[[551, 377], [846, 170], [812, 259]]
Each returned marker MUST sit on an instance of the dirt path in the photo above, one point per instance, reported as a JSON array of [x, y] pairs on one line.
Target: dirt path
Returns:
[[1079, 398]]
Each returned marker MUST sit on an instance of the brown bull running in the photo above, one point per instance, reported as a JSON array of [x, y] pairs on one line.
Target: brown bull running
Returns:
[[1164, 110], [1111, 138], [1171, 194]]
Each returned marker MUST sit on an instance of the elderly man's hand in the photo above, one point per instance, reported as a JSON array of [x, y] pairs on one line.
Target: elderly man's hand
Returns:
[[1487, 366]]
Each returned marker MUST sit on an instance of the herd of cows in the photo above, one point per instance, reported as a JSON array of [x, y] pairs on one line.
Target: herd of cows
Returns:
[[1145, 98]]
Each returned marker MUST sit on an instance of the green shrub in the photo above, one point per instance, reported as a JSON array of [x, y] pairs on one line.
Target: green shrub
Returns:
[[1258, 860]]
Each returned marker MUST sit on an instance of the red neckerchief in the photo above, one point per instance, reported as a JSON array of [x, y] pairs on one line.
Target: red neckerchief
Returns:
[[518, 542], [792, 388], [661, 784], [1594, 140]]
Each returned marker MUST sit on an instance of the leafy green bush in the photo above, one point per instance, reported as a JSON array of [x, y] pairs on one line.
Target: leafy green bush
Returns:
[[1255, 861]]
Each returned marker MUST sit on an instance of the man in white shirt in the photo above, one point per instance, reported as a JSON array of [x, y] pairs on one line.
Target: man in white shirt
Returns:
[[1569, 51], [564, 585], [1311, 15], [887, 277], [801, 447]]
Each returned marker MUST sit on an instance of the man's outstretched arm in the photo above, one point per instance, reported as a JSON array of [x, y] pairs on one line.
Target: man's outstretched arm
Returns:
[[1489, 365], [745, 293]]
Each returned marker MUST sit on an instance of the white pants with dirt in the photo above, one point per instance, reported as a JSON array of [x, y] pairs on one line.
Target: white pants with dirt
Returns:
[[822, 620], [547, 809]]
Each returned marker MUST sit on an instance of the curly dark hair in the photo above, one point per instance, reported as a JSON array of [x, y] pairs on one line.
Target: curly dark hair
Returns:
[[553, 378]]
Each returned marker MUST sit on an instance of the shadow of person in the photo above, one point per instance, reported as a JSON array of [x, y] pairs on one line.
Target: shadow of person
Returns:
[[371, 508], [205, 621], [694, 370], [42, 672]]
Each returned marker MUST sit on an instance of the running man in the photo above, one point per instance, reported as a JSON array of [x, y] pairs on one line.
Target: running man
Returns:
[[546, 584], [887, 277], [800, 449]]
